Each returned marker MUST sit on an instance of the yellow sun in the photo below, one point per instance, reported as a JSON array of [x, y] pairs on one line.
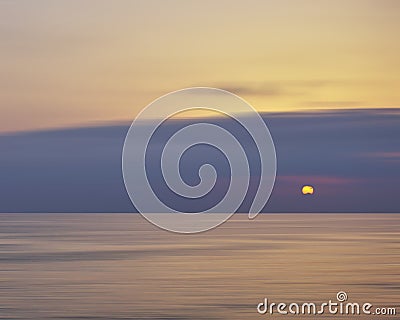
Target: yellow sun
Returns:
[[307, 190]]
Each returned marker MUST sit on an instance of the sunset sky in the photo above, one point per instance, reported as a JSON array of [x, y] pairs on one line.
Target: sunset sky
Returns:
[[85, 69], [72, 63]]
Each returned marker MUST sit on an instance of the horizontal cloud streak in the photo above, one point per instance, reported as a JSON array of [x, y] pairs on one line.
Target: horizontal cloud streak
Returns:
[[284, 88]]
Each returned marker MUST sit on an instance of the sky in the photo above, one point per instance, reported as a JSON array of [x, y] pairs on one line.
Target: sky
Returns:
[[73, 63], [324, 74]]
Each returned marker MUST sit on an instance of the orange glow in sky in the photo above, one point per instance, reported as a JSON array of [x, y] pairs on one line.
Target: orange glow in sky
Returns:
[[71, 63]]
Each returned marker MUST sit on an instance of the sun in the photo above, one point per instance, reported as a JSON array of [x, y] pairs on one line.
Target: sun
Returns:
[[307, 190]]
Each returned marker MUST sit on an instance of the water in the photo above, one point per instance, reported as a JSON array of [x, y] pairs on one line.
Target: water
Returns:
[[118, 266]]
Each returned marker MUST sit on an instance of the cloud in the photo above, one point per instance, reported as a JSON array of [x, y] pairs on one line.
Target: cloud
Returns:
[[270, 90], [334, 104], [385, 156], [344, 154], [320, 180], [279, 88]]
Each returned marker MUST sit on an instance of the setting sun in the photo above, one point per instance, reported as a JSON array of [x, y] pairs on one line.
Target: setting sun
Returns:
[[307, 190]]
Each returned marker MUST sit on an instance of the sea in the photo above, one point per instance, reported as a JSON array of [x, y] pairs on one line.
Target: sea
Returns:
[[119, 266]]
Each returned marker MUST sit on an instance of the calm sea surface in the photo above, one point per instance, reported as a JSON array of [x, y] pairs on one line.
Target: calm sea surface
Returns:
[[118, 266]]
